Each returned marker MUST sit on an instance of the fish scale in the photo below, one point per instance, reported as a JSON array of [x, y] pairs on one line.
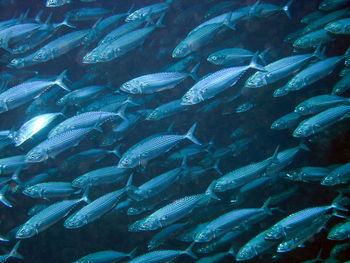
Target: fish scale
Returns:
[[83, 120], [94, 210]]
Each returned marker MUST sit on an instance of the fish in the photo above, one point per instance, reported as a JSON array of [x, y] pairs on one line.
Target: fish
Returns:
[[214, 83], [94, 210], [243, 175], [106, 256], [49, 190], [152, 147], [337, 176], [15, 96], [33, 126], [321, 121], [339, 27], [51, 147], [48, 217], [340, 231], [156, 82]]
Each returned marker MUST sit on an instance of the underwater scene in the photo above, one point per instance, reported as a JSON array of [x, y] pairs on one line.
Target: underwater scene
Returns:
[[174, 131]]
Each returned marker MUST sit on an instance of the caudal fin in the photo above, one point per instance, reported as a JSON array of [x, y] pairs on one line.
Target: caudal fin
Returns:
[[13, 253], [189, 135], [193, 73], [189, 252], [3, 199], [286, 9], [254, 63], [59, 81]]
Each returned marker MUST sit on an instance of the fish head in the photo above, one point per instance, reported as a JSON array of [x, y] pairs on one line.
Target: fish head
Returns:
[[303, 108], [205, 235], [154, 115], [256, 80], [41, 55], [182, 50], [18, 139], [53, 3], [337, 233], [31, 191], [303, 131], [285, 246], [294, 84], [128, 162], [278, 125], [134, 16], [216, 58], [36, 155], [107, 54], [331, 179], [80, 182], [16, 63], [280, 92], [275, 233], [75, 221], [26, 231], [191, 97], [334, 27], [90, 57], [293, 176], [131, 87], [245, 253]]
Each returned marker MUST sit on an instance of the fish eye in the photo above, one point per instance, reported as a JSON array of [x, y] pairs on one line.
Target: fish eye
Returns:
[[214, 58]]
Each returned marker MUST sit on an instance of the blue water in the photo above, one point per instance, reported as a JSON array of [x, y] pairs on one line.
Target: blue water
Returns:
[[58, 244]]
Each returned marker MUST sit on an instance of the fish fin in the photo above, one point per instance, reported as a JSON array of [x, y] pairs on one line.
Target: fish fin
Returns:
[[59, 81], [132, 253], [171, 127], [266, 208], [160, 20], [274, 157], [129, 186], [319, 53], [232, 251], [252, 9], [336, 203], [227, 22], [263, 54], [303, 146], [3, 199], [189, 135], [121, 112], [193, 72], [116, 152], [210, 192], [13, 253], [47, 22], [37, 17], [286, 9], [130, 9], [85, 196], [189, 252], [15, 175], [65, 22], [254, 63], [216, 167]]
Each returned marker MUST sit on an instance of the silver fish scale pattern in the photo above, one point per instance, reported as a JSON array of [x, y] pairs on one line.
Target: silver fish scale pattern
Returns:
[[332, 114], [100, 206], [157, 256]]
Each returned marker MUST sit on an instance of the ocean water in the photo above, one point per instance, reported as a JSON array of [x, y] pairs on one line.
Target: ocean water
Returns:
[[110, 232]]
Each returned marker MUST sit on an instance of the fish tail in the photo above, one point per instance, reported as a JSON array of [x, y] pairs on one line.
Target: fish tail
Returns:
[[121, 112], [47, 22], [216, 167], [37, 17], [336, 203], [274, 157], [319, 53], [160, 21], [3, 199], [210, 192], [252, 9], [116, 152], [132, 253], [263, 54], [303, 146], [85, 196], [189, 135], [286, 9], [13, 253], [193, 72], [232, 251], [266, 208], [227, 21], [129, 187], [189, 252], [59, 81], [65, 22], [254, 63]]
